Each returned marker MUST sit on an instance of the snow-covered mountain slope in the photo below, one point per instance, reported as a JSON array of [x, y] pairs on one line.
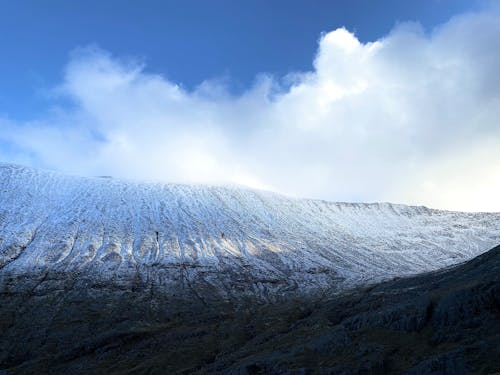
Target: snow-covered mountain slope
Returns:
[[233, 239]]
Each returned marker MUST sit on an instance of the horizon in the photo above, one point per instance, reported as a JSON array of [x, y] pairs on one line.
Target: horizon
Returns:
[[402, 109]]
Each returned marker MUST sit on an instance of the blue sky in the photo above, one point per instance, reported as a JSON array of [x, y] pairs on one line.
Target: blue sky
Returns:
[[188, 41], [346, 101]]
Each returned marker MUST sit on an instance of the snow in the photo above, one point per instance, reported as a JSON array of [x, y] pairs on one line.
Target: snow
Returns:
[[224, 236]]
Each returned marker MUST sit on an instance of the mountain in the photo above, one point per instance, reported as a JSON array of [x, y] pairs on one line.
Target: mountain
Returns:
[[224, 241], [99, 275]]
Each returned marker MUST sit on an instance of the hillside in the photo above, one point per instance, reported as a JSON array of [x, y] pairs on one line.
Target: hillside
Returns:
[[225, 240], [445, 322]]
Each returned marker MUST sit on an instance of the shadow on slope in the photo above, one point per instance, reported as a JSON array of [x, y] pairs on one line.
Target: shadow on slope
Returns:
[[445, 322]]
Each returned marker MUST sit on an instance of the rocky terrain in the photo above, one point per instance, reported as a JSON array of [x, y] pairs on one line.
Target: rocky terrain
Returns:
[[445, 322]]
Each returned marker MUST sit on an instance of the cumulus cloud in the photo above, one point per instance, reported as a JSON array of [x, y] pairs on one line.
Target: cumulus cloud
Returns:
[[413, 117]]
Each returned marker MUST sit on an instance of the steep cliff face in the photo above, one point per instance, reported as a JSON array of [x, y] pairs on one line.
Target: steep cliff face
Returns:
[[228, 239]]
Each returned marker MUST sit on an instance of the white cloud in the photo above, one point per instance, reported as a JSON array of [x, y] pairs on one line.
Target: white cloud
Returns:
[[412, 118]]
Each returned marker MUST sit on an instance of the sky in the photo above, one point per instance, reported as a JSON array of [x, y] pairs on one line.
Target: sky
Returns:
[[338, 100]]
